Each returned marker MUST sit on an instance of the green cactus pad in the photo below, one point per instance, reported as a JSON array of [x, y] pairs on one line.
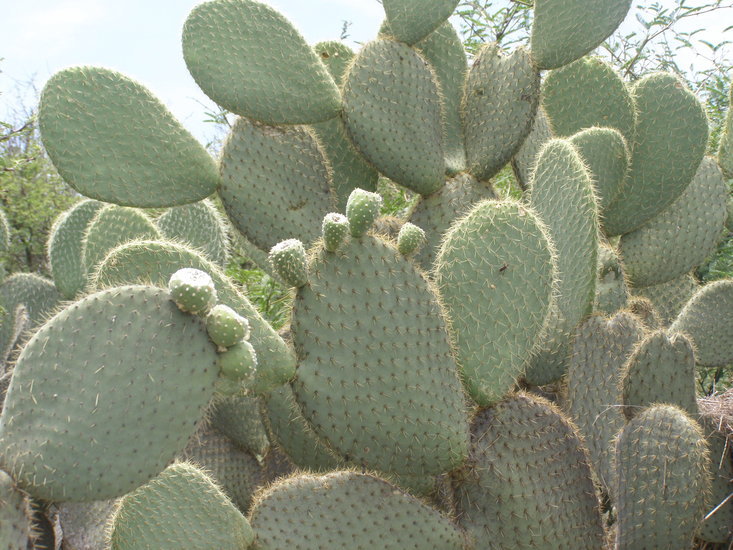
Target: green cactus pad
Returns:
[[562, 196], [443, 49], [335, 228], [336, 56], [289, 262], [225, 326], [499, 104], [669, 144], [528, 459], [105, 394], [612, 292], [66, 246], [155, 262], [181, 508], [682, 235], [725, 149], [240, 419], [192, 290], [525, 160], [437, 212], [250, 60], [199, 225], [15, 522], [239, 362], [669, 298], [376, 378], [495, 275], [410, 239], [37, 295], [392, 111], [348, 510], [271, 201], [84, 525], [660, 370], [600, 350], [112, 140], [238, 473], [412, 20], [607, 159], [707, 319], [112, 226], [295, 437], [566, 30], [362, 209], [662, 480], [588, 93]]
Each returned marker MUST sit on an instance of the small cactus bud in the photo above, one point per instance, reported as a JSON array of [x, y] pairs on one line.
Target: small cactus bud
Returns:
[[192, 290], [362, 209], [410, 239], [335, 228], [239, 362], [288, 260], [226, 327]]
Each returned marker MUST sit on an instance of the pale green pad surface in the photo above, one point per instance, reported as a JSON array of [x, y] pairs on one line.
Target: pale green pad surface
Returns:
[[495, 274], [112, 226], [444, 51], [250, 60], [105, 394], [562, 196], [524, 161], [566, 30], [588, 93], [725, 150], [199, 225], [606, 156], [336, 56], [348, 510], [671, 136], [708, 320], [662, 477], [155, 262], [612, 292], [181, 508], [376, 378], [275, 183], [600, 350], [530, 486], [112, 140], [435, 213], [669, 298], [661, 370], [681, 236], [15, 526], [392, 111], [239, 418], [499, 104], [237, 472], [66, 245], [413, 20], [294, 435]]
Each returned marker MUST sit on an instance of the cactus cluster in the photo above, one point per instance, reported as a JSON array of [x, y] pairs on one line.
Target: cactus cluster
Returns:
[[498, 373]]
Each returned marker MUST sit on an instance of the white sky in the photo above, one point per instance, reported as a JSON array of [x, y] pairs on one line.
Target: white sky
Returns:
[[141, 38]]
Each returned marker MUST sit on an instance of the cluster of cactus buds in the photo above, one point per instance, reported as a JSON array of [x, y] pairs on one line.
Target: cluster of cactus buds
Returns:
[[491, 373]]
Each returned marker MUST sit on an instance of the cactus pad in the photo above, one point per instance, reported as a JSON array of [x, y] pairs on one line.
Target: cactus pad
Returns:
[[199, 225], [192, 290], [412, 20], [112, 140]]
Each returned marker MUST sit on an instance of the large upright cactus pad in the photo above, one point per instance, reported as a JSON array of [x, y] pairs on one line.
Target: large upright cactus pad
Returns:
[[412, 20], [105, 394], [498, 252], [250, 60], [199, 225], [376, 378], [112, 140], [527, 459]]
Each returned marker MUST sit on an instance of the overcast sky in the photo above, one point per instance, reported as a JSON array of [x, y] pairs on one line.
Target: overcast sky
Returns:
[[141, 38]]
